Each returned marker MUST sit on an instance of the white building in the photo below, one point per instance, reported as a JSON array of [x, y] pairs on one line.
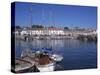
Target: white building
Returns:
[[55, 31], [49, 31]]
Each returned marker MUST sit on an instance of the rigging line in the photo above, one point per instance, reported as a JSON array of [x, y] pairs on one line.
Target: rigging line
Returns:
[[52, 18], [31, 18]]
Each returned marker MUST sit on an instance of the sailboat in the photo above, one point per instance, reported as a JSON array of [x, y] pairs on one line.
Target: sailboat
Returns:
[[40, 59]]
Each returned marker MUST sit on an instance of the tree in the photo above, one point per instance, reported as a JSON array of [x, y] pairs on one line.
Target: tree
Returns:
[[66, 28], [17, 27], [37, 26]]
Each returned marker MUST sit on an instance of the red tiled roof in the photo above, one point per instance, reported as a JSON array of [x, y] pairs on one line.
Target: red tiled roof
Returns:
[[54, 28]]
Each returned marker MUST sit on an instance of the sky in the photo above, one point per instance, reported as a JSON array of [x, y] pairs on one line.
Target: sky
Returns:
[[55, 15]]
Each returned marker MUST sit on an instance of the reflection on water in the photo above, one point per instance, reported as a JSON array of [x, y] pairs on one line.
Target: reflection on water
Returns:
[[77, 54]]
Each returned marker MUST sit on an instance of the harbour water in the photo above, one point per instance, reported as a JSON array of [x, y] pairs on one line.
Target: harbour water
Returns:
[[76, 54]]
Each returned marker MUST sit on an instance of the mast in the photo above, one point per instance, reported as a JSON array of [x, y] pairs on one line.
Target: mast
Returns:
[[30, 17], [52, 18], [43, 21], [43, 17]]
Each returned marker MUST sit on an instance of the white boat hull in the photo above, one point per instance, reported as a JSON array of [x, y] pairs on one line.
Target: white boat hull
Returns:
[[46, 68]]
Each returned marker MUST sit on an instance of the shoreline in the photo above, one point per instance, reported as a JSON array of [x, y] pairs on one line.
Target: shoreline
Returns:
[[80, 37]]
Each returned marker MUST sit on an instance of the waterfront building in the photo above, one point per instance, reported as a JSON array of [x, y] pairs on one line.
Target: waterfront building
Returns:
[[55, 31], [41, 31]]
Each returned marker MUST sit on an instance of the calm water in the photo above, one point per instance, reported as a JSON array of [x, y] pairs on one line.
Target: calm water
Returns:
[[77, 54]]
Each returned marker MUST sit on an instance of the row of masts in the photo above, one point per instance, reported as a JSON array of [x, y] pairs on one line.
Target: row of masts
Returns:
[[43, 19], [51, 19]]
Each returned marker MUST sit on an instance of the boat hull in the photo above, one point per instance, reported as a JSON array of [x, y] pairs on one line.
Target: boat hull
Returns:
[[46, 68]]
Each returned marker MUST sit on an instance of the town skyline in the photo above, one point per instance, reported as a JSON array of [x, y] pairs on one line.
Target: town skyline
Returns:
[[55, 15], [42, 26]]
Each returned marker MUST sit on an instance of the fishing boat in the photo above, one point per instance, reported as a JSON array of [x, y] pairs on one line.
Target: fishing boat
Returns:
[[54, 56], [39, 58], [44, 63], [43, 59]]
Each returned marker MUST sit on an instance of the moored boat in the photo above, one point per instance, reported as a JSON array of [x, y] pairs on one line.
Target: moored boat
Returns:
[[42, 59], [22, 65]]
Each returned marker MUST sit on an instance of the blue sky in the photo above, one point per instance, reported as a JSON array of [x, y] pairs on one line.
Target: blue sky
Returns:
[[55, 15]]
